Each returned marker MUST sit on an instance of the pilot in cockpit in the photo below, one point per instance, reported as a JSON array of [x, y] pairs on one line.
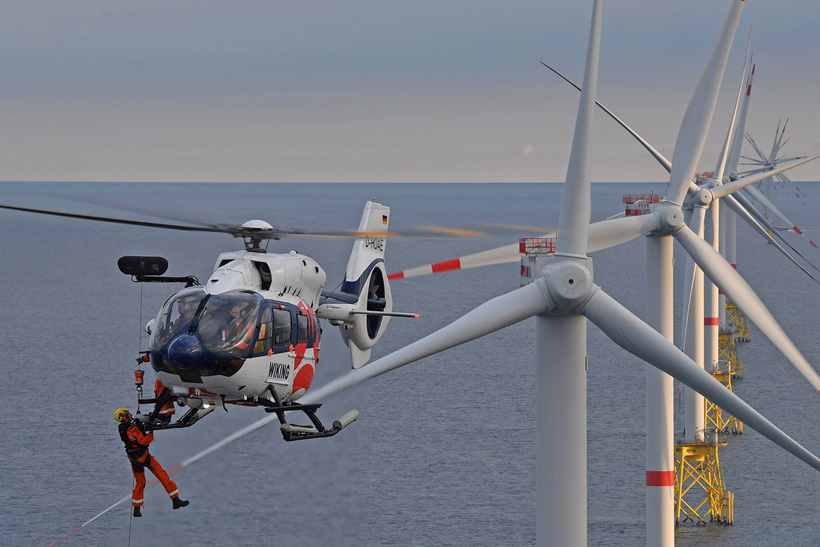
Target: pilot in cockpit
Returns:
[[186, 309], [239, 330], [234, 325]]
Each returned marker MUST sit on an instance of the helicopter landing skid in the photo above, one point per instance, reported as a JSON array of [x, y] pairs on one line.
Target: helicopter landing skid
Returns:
[[186, 420], [293, 432]]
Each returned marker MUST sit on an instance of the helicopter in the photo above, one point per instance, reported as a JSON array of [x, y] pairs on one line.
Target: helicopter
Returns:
[[250, 336]]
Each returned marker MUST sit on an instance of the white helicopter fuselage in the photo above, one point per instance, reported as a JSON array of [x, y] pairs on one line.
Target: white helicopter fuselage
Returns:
[[252, 332], [266, 285]]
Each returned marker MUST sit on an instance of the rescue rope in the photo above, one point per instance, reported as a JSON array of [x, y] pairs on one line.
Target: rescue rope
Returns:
[[139, 350], [139, 326]]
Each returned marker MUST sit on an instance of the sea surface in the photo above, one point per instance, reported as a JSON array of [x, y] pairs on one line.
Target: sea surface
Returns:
[[443, 453]]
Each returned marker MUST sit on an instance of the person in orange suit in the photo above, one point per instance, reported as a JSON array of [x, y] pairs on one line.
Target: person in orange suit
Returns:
[[132, 433], [167, 411]]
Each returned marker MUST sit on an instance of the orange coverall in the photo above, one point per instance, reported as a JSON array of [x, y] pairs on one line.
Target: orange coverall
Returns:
[[167, 409], [137, 449]]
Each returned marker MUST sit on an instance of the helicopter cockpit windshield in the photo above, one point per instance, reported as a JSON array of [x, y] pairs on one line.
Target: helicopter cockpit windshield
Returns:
[[226, 324], [176, 314]]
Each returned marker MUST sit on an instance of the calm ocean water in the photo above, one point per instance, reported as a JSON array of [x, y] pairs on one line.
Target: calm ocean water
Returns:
[[443, 453]]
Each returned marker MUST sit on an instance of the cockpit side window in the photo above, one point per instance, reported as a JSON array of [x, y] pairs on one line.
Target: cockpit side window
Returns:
[[281, 328], [176, 314], [301, 329], [263, 340]]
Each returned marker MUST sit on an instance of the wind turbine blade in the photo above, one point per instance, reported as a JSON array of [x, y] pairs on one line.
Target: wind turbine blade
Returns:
[[738, 291], [734, 156], [500, 255], [665, 163], [643, 341], [776, 143], [767, 203], [725, 152], [602, 235], [795, 158], [794, 188], [726, 189], [752, 171], [697, 222], [610, 233], [576, 204], [741, 211], [695, 125], [744, 201], [757, 149], [491, 316]]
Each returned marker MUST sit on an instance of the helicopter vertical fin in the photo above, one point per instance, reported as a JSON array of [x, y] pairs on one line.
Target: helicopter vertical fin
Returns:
[[370, 246], [366, 278]]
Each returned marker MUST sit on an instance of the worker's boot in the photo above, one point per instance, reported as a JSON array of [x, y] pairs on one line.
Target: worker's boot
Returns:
[[137, 512], [178, 502]]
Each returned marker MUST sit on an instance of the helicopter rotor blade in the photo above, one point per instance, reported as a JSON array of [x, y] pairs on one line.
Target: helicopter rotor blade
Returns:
[[162, 225], [419, 232]]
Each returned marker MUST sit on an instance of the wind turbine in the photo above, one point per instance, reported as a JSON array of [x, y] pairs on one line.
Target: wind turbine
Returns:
[[766, 164], [564, 295]]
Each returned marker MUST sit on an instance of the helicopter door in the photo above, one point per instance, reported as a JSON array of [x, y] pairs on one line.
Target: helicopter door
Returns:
[[281, 330], [264, 337], [305, 343]]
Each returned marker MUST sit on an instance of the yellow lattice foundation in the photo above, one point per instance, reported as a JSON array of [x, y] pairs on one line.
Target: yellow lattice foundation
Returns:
[[716, 419], [736, 319], [699, 494], [727, 353]]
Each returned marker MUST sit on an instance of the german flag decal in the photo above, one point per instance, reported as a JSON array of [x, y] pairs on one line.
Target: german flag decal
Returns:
[[384, 220]]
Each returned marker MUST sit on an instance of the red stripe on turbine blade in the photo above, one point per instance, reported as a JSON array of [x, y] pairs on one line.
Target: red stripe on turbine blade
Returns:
[[660, 478], [710, 321], [734, 266], [175, 469], [749, 90], [812, 243], [397, 275], [796, 229], [447, 266]]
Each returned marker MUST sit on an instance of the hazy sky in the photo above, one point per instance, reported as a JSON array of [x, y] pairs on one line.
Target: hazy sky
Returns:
[[357, 90]]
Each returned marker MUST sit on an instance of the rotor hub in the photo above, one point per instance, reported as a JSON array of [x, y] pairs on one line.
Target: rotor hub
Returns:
[[703, 197], [569, 283], [670, 218]]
